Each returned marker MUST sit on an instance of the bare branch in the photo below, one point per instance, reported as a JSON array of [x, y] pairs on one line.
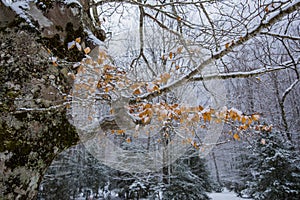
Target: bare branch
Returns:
[[230, 75], [265, 24]]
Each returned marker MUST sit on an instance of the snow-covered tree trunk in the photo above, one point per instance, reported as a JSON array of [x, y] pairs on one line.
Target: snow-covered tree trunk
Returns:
[[34, 85]]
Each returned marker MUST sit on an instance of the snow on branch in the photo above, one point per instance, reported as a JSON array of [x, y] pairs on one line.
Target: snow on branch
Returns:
[[289, 89], [229, 75], [290, 37], [292, 7]]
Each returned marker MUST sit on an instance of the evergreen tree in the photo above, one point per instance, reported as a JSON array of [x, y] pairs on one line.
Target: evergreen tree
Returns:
[[189, 179], [273, 169]]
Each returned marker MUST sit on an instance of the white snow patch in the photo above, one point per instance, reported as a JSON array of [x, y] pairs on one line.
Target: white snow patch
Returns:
[[225, 195]]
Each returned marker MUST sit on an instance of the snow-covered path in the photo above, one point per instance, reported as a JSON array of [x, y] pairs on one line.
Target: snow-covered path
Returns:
[[225, 195]]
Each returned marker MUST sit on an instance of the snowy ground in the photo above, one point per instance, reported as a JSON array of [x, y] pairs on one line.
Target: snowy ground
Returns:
[[225, 195]]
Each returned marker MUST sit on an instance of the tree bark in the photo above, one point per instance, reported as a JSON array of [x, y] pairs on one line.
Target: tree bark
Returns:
[[34, 126]]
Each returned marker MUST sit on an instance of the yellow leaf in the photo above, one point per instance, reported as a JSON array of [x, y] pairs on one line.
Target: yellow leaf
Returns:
[[148, 105], [112, 111], [255, 117], [179, 50], [108, 67], [170, 55], [267, 9], [120, 132], [195, 145], [55, 64], [128, 140], [200, 108], [236, 136], [243, 127], [249, 121], [87, 50], [233, 115], [244, 119], [227, 45], [108, 77], [155, 88], [78, 40], [137, 92], [106, 89], [206, 116]]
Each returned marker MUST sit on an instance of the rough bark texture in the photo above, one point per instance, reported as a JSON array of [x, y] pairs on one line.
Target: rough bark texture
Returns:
[[31, 133]]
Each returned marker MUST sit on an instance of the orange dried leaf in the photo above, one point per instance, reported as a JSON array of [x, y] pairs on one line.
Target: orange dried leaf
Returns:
[[249, 121], [148, 105], [255, 117], [108, 77], [137, 92], [128, 140], [195, 145], [120, 132], [87, 50], [155, 88], [179, 50], [78, 40], [267, 9], [244, 119], [55, 64], [200, 108], [106, 89], [170, 55], [236, 136], [134, 86], [206, 116], [233, 115], [243, 127], [227, 45]]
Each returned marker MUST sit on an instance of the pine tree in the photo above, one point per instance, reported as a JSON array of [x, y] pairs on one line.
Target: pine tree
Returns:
[[189, 179], [274, 167]]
